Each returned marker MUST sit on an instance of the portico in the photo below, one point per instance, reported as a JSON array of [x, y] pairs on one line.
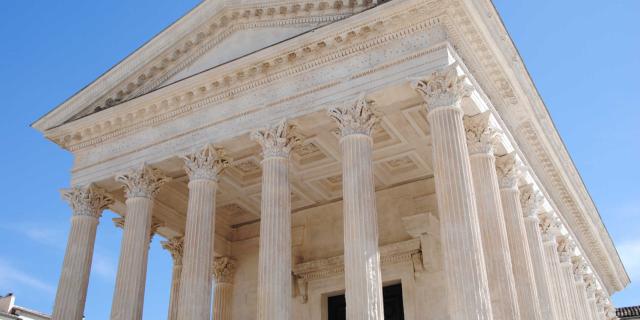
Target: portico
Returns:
[[393, 145]]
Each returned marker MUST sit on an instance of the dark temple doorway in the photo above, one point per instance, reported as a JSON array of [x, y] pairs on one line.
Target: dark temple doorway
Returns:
[[393, 307]]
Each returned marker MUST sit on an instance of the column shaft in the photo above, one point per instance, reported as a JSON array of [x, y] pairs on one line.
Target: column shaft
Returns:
[[555, 272], [567, 274], [520, 254], [362, 259], [72, 288], [195, 280], [540, 269], [222, 301]]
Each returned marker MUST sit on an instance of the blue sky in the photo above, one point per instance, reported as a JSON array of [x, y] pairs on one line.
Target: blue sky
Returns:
[[583, 56]]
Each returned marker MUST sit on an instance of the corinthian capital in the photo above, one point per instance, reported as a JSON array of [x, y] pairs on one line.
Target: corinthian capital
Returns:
[[579, 267], [442, 88], [508, 171], [277, 141], [175, 246], [356, 118], [565, 248], [590, 284], [481, 136], [87, 201], [206, 164], [223, 269], [549, 226], [531, 201], [144, 182]]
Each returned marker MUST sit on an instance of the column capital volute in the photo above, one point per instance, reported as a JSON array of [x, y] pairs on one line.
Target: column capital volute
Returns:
[[566, 248], [531, 201], [443, 88], [508, 170], [143, 182], [358, 117], [224, 269], [277, 140], [175, 247], [88, 200], [206, 163], [482, 137]]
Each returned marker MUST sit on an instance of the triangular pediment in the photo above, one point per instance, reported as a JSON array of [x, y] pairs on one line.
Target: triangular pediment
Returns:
[[212, 34]]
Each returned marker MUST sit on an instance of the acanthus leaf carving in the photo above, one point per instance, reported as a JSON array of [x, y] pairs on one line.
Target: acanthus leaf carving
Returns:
[[442, 88], [277, 141], [356, 118], [223, 269], [508, 170], [87, 201], [566, 248], [482, 137], [175, 246], [144, 182], [206, 164], [531, 201]]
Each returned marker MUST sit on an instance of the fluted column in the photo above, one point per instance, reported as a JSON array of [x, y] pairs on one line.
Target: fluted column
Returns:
[[274, 261], [550, 228], [601, 300], [203, 168], [141, 186], [87, 204], [531, 201], [175, 247], [590, 287], [481, 139], [363, 287], [509, 174], [579, 271], [565, 251], [466, 277], [223, 270]]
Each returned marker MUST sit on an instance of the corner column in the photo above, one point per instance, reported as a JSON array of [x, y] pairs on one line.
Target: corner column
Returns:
[[203, 167], [550, 228], [531, 201], [466, 276], [87, 204], [274, 258], [481, 139], [174, 246], [509, 174], [141, 186], [223, 270], [363, 287]]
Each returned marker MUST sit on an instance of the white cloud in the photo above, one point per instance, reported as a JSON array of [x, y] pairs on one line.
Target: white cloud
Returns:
[[630, 254], [11, 277]]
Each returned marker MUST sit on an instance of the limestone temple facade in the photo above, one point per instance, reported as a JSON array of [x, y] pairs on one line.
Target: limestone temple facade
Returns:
[[291, 151]]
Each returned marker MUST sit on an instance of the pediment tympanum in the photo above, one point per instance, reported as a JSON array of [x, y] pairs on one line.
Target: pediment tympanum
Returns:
[[212, 34]]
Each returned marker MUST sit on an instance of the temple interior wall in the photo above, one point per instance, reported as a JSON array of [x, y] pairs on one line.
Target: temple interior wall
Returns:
[[317, 233]]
